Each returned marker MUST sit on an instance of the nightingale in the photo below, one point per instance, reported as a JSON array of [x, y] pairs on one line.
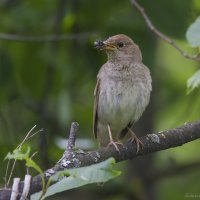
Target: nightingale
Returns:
[[122, 91]]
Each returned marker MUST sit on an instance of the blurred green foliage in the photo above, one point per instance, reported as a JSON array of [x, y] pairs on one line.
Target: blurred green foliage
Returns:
[[51, 83]]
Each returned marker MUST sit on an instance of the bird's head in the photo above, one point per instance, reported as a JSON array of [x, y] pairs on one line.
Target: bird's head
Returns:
[[120, 48]]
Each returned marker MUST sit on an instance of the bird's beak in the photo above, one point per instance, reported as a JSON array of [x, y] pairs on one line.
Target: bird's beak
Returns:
[[104, 45]]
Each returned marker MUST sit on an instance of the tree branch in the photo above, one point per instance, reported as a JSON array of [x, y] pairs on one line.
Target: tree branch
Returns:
[[160, 34], [48, 38], [152, 143], [173, 170]]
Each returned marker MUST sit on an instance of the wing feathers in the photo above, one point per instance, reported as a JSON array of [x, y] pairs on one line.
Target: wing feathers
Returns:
[[95, 109]]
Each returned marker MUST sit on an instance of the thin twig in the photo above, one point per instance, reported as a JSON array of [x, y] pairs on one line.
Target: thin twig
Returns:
[[26, 188], [11, 172], [6, 174], [31, 157], [72, 136], [27, 137], [48, 38], [39, 131], [160, 34], [15, 189]]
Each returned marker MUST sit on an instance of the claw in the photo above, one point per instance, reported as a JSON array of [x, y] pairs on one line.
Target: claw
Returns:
[[115, 144], [112, 142], [135, 139]]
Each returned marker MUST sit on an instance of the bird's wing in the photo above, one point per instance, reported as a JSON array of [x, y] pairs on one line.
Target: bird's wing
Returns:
[[95, 108]]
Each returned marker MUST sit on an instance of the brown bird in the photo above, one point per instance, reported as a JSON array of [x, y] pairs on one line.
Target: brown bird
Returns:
[[122, 91]]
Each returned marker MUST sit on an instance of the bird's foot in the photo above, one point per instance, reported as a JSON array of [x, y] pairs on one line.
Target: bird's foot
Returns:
[[138, 143], [112, 143], [135, 139]]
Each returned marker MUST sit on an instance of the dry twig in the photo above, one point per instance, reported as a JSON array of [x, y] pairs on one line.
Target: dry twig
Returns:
[[48, 38], [160, 34]]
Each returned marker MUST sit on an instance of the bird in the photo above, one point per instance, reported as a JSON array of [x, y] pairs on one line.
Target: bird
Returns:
[[122, 91]]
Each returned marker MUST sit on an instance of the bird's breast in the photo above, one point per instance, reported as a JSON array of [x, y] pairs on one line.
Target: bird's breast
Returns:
[[123, 94], [119, 102]]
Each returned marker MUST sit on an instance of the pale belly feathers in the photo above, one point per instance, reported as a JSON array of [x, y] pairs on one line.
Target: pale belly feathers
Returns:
[[119, 106]]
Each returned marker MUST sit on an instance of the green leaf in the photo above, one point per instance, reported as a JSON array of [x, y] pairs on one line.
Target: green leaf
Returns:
[[23, 154], [77, 177], [19, 154], [193, 82], [31, 163], [193, 33]]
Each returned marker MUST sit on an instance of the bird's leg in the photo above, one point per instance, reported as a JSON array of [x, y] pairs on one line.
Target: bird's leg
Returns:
[[112, 142], [135, 138]]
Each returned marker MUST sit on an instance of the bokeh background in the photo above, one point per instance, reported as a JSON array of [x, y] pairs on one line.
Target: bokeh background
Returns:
[[51, 84]]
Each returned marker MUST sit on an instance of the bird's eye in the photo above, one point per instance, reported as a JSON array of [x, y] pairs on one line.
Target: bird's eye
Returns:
[[120, 44]]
